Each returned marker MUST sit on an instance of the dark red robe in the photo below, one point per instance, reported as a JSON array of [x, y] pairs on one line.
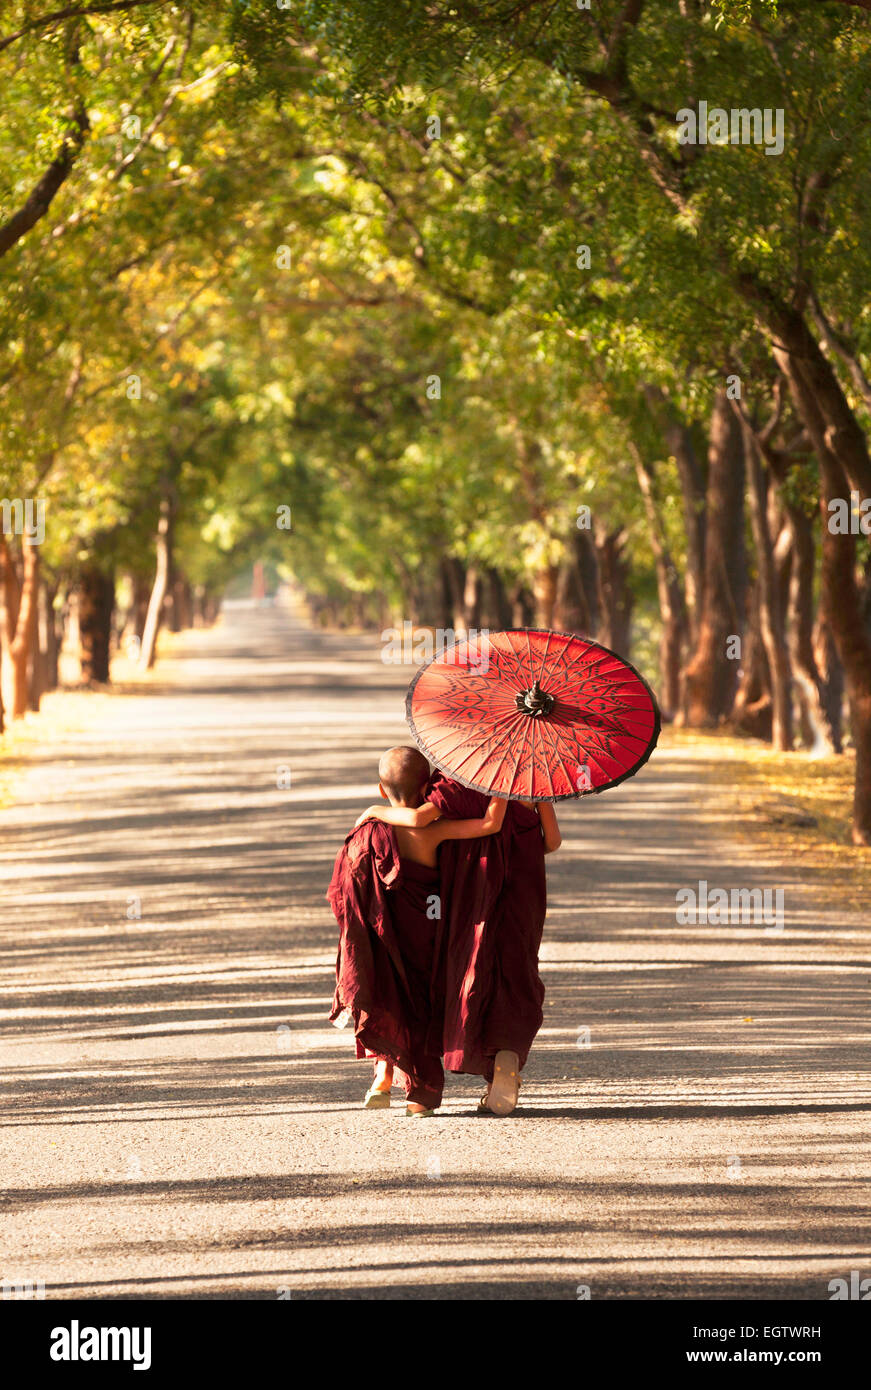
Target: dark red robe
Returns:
[[384, 967], [488, 994]]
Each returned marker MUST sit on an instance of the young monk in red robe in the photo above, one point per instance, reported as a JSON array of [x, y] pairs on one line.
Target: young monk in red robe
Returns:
[[385, 895], [488, 992]]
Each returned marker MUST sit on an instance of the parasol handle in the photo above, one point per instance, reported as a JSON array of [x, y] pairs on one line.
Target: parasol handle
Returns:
[[534, 701]]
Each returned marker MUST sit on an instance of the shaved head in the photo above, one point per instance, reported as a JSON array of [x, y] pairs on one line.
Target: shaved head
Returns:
[[403, 771]]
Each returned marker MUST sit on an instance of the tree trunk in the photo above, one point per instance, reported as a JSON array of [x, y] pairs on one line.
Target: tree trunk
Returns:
[[544, 588], [472, 599], [770, 603], [522, 607], [821, 734], [258, 590], [11, 589], [38, 655], [588, 573], [52, 634], [453, 581], [854, 647], [781, 549], [163, 546], [577, 605], [570, 610], [139, 610], [679, 442], [814, 397], [21, 646], [831, 676], [200, 609], [615, 596], [751, 710], [183, 604], [710, 677], [669, 592], [820, 400], [96, 604], [10, 605], [495, 604]]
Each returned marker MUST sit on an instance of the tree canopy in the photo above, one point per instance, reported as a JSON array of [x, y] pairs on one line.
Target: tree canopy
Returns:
[[450, 285]]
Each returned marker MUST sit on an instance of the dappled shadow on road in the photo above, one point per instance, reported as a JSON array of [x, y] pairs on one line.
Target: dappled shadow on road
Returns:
[[625, 1083], [431, 1285], [724, 1198], [662, 1236]]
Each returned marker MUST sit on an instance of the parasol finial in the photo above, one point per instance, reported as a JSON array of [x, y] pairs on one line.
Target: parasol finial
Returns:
[[534, 701]]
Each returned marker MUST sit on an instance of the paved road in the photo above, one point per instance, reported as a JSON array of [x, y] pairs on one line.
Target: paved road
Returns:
[[178, 1119]]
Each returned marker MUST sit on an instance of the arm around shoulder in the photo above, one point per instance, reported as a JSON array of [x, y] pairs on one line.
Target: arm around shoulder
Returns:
[[488, 824], [412, 817]]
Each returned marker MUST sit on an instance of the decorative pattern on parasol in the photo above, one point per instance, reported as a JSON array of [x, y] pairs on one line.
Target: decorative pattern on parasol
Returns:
[[538, 715]]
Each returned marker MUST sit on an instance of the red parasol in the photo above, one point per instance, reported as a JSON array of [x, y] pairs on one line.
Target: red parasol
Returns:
[[538, 715]]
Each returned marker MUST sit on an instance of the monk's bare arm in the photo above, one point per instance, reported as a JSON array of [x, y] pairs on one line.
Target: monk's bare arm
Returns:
[[550, 831], [412, 817], [488, 824], [549, 827]]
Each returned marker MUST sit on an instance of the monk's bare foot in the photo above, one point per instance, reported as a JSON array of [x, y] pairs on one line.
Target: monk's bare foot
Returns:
[[383, 1077], [378, 1095], [505, 1086], [413, 1108]]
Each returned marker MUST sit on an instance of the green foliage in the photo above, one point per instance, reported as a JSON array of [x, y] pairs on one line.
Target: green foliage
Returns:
[[412, 256]]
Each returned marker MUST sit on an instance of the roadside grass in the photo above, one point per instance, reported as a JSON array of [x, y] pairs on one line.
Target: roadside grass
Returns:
[[62, 712], [69, 710], [788, 805]]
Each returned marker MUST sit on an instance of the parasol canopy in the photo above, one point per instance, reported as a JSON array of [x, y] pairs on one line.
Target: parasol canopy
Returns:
[[537, 715]]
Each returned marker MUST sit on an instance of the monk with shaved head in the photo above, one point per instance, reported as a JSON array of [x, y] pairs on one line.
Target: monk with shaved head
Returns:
[[403, 774], [386, 898]]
